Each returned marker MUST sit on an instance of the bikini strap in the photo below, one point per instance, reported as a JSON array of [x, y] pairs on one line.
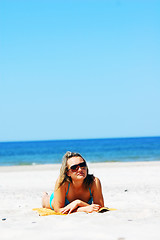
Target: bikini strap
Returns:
[[68, 189], [90, 192]]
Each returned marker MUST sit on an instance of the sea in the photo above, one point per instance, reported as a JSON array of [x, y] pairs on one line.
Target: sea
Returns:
[[93, 150]]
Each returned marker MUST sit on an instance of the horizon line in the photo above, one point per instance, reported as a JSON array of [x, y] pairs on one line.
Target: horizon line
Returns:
[[75, 139]]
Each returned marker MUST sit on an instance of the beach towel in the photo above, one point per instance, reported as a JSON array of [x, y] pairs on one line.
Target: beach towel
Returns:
[[46, 211]]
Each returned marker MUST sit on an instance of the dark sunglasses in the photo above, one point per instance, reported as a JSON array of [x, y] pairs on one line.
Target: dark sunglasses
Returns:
[[75, 167]]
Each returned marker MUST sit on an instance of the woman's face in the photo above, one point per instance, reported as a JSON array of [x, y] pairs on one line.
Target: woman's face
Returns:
[[77, 168]]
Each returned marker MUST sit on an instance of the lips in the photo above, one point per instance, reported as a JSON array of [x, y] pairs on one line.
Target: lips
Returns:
[[80, 174]]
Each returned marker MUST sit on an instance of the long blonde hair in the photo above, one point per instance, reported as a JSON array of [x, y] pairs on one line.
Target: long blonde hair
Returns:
[[64, 169]]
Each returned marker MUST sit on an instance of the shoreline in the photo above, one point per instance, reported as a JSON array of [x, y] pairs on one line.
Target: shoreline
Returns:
[[130, 187], [55, 166]]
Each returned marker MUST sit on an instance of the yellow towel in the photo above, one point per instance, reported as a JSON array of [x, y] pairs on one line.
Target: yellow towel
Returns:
[[46, 211]]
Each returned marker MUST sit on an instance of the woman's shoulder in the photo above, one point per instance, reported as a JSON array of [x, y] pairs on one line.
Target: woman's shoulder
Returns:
[[96, 183], [96, 180], [64, 186]]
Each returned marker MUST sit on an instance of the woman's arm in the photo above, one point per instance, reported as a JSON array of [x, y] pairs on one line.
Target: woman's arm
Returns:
[[89, 208], [97, 193], [59, 197], [74, 206], [78, 205], [59, 200], [98, 201]]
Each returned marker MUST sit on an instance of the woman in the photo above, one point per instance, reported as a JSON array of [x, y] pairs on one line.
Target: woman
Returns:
[[75, 189]]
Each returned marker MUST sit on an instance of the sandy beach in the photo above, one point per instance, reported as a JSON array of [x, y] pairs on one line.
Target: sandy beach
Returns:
[[132, 188]]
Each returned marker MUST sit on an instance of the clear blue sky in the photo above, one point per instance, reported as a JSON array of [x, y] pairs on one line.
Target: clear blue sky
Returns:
[[79, 69]]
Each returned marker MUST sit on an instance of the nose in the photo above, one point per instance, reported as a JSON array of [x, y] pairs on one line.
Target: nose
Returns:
[[80, 168]]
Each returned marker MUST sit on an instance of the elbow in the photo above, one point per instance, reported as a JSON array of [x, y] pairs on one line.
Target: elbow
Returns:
[[57, 209]]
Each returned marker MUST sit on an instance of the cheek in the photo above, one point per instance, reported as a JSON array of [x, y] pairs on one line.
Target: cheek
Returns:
[[68, 174], [86, 173]]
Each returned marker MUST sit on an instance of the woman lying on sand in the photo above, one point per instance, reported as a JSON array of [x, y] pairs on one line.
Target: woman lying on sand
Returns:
[[75, 189]]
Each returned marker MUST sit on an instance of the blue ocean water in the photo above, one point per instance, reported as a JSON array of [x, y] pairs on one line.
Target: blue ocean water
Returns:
[[93, 150]]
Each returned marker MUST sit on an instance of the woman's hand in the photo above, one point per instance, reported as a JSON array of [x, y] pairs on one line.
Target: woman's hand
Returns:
[[71, 207], [90, 208]]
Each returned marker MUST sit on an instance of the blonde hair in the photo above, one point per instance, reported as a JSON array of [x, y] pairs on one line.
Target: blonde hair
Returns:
[[64, 169]]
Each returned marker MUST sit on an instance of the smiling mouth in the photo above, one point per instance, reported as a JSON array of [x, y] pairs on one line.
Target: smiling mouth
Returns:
[[81, 174]]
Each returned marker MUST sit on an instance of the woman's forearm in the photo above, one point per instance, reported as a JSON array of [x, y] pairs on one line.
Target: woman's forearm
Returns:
[[82, 209], [82, 204], [89, 208], [73, 206]]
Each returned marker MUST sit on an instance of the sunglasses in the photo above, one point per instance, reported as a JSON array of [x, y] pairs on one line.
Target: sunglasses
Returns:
[[75, 167]]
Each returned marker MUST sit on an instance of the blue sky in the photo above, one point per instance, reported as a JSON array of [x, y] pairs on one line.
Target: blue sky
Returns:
[[79, 69]]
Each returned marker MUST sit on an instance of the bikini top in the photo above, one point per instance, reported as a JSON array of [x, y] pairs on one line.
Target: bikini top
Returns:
[[89, 202]]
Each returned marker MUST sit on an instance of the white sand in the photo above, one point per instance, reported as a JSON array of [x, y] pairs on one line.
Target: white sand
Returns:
[[137, 217]]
